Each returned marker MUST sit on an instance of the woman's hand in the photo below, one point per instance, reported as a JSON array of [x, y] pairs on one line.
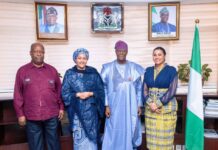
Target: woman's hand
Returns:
[[84, 95], [107, 111], [153, 106], [158, 111]]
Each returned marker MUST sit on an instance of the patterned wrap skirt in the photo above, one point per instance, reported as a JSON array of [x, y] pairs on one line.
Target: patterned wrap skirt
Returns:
[[160, 128]]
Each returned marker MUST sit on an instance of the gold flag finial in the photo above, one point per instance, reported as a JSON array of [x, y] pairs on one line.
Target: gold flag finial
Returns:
[[197, 21]]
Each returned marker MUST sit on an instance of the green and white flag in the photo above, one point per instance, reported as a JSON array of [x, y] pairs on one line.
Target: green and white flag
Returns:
[[155, 16], [194, 133], [41, 14]]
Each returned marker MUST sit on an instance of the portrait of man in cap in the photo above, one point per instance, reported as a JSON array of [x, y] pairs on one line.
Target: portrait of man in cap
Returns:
[[163, 26], [163, 21], [51, 24]]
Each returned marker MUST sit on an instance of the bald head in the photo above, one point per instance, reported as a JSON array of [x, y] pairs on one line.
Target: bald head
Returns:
[[37, 54], [34, 45]]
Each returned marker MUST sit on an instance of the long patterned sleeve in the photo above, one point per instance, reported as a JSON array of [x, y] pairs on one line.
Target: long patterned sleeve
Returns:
[[99, 94], [170, 93], [104, 78], [138, 85], [146, 97], [68, 94]]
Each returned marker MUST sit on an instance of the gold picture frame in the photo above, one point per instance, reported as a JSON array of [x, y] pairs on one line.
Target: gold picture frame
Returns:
[[51, 21], [163, 21]]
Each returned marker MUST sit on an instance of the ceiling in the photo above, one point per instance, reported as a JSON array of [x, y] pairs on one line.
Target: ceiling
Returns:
[[120, 1]]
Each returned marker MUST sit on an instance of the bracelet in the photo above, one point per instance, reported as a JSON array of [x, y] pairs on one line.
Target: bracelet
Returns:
[[77, 94]]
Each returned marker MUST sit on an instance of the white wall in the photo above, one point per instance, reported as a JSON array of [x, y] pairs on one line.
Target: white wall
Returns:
[[18, 31]]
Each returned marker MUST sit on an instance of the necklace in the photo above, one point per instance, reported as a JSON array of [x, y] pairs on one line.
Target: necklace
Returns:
[[157, 71]]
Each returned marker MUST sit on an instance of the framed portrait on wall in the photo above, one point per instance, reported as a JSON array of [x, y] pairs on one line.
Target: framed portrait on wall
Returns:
[[107, 17], [163, 21], [51, 21]]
